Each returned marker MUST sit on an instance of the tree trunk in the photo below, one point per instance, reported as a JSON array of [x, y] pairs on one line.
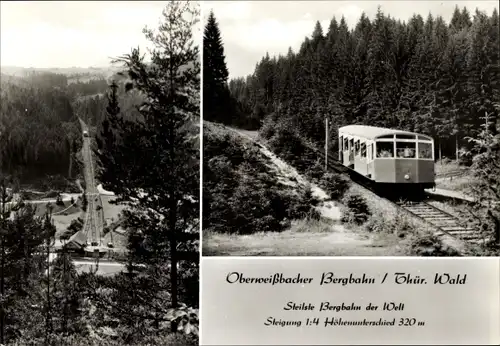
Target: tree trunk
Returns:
[[70, 164], [172, 222], [440, 156], [456, 148]]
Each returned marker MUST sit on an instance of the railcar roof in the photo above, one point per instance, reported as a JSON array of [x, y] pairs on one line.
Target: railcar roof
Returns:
[[371, 132]]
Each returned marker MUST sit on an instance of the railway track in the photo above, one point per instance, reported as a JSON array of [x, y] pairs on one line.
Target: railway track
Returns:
[[92, 225], [439, 219]]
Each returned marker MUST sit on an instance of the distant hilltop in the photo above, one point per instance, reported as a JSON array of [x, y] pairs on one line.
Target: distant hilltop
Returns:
[[69, 71], [15, 74]]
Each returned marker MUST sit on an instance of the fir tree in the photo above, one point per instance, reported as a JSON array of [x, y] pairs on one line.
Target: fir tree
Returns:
[[215, 74], [486, 169], [23, 260], [152, 164]]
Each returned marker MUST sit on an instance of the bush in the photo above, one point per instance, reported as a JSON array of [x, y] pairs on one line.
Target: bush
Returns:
[[66, 235], [76, 225], [431, 245], [315, 172], [59, 200], [268, 128], [241, 194], [335, 185], [400, 225], [356, 209], [302, 207], [26, 196], [239, 199]]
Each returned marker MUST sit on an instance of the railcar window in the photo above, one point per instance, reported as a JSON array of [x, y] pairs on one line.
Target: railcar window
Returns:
[[424, 150], [385, 149], [406, 150], [386, 136], [346, 143], [357, 147], [424, 138], [363, 149], [351, 144], [401, 136]]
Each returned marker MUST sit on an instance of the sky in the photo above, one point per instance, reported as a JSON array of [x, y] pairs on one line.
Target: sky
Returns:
[[249, 29], [48, 34]]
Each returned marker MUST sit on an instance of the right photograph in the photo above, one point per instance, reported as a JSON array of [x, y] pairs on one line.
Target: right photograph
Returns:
[[357, 128]]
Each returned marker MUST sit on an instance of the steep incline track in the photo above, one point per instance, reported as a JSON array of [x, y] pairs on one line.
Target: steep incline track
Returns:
[[92, 225], [441, 220]]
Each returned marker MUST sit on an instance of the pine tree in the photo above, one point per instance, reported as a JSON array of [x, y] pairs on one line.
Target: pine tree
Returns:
[[215, 73], [152, 163], [23, 238], [486, 169], [66, 295]]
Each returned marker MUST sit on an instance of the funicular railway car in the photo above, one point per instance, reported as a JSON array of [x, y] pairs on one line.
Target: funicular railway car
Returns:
[[390, 158]]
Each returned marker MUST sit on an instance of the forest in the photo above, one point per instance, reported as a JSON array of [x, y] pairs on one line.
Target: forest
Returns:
[[39, 128], [422, 75]]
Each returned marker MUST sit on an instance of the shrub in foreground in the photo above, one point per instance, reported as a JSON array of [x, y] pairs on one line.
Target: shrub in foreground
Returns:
[[303, 206], [431, 245], [315, 172], [399, 225], [356, 210], [335, 185]]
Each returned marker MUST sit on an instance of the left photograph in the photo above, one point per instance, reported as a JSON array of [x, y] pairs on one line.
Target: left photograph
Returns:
[[99, 173]]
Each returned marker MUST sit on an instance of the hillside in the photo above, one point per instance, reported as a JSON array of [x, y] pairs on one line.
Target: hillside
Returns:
[[255, 203]]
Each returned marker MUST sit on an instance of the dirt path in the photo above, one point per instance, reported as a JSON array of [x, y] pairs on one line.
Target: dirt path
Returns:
[[314, 240]]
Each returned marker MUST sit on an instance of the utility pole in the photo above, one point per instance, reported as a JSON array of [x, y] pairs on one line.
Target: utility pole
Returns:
[[326, 144]]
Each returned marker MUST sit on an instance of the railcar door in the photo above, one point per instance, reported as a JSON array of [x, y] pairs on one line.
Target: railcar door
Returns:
[[341, 149], [369, 159], [361, 161], [350, 163]]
